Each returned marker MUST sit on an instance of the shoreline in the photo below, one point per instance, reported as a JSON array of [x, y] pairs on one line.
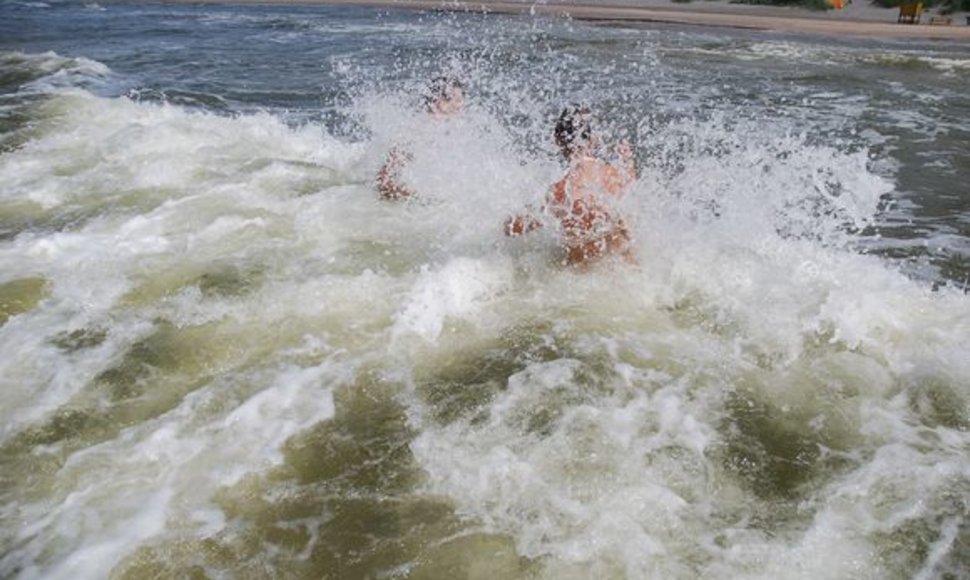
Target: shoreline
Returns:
[[862, 21]]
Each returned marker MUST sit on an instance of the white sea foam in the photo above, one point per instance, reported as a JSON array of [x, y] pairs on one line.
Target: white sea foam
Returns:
[[796, 52], [595, 491], [948, 65], [458, 291], [612, 483], [160, 476], [953, 66]]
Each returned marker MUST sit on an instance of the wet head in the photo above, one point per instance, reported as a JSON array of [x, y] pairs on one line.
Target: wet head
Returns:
[[574, 131], [446, 96]]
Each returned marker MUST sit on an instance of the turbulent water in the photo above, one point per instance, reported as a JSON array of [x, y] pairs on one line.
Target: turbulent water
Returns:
[[224, 357]]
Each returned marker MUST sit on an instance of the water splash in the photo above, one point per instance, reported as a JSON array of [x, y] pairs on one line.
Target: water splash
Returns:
[[227, 354]]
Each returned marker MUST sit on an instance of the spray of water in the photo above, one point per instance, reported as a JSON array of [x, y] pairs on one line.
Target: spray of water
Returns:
[[224, 354]]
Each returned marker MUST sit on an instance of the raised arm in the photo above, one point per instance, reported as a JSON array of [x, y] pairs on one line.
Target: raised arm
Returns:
[[521, 223], [388, 177]]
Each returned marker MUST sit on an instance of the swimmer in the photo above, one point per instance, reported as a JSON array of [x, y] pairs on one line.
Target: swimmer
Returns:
[[446, 98], [580, 201]]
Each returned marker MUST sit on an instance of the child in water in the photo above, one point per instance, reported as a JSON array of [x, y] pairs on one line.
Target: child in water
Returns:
[[580, 201], [446, 98]]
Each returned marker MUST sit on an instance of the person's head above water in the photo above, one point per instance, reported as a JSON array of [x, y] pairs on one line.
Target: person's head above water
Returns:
[[446, 95], [574, 130]]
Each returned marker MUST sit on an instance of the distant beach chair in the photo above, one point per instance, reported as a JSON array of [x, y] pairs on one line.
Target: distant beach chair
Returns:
[[910, 13]]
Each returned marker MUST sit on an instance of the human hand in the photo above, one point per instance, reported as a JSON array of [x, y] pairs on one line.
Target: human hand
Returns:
[[514, 226], [520, 224]]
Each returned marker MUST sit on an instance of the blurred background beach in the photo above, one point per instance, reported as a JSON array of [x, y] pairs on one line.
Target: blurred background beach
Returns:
[[948, 19]]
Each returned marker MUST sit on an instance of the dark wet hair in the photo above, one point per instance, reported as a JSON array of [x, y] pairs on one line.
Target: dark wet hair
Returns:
[[441, 87], [574, 128]]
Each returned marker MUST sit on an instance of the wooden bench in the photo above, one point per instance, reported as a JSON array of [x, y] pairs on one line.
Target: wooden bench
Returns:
[[910, 13], [944, 20]]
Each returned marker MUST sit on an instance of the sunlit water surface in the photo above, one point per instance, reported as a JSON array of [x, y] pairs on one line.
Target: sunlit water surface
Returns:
[[224, 357]]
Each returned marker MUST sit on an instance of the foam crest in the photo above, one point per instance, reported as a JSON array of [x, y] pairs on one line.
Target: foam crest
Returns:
[[112, 151], [604, 475], [181, 212], [588, 480], [162, 474], [458, 291], [50, 72], [950, 66], [46, 369]]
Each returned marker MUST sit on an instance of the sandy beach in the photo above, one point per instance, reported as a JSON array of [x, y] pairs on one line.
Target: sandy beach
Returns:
[[858, 19]]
